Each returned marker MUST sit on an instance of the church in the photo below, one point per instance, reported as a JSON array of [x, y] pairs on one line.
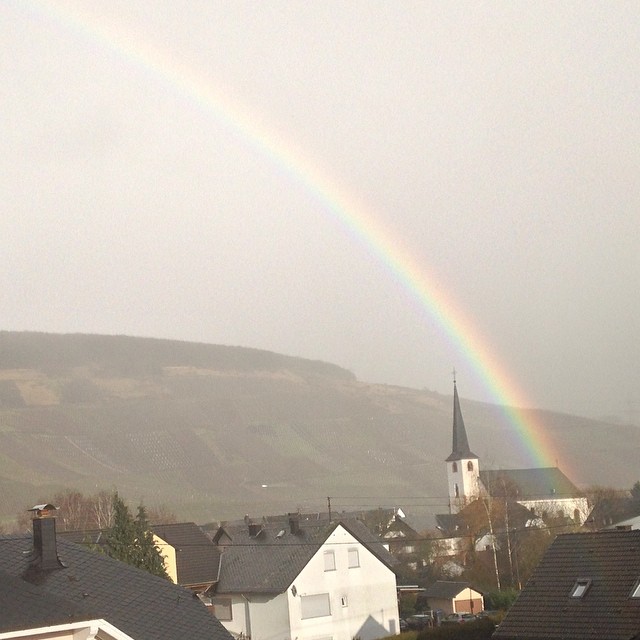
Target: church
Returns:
[[543, 491]]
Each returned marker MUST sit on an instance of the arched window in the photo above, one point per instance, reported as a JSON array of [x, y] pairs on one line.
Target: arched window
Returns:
[[457, 491], [454, 467], [469, 466]]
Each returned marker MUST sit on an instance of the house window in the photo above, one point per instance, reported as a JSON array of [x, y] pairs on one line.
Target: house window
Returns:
[[344, 602], [580, 588], [456, 490], [329, 561], [354, 559], [635, 592], [469, 466], [222, 608], [315, 606], [454, 467]]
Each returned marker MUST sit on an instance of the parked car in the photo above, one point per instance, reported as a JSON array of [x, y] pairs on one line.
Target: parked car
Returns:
[[489, 613], [420, 621], [458, 618]]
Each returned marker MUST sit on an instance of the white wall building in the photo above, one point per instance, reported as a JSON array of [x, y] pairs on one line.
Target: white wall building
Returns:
[[287, 581]]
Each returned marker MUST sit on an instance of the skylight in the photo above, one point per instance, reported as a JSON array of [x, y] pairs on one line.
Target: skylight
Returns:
[[635, 593], [580, 587]]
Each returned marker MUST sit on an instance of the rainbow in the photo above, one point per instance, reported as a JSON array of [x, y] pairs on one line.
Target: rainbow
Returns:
[[338, 202]]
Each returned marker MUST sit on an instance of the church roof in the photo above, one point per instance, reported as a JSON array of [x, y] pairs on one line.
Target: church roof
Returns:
[[460, 449], [547, 483]]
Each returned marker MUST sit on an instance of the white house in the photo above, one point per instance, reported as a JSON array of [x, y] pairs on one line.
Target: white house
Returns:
[[298, 580]]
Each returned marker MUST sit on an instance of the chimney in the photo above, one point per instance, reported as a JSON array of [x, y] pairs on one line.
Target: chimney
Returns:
[[294, 523], [254, 527], [45, 551]]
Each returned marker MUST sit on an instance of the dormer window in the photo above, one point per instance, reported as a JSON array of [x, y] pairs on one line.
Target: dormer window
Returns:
[[580, 587], [635, 592]]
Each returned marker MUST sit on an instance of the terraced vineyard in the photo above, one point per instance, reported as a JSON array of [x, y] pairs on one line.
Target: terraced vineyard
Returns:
[[215, 432]]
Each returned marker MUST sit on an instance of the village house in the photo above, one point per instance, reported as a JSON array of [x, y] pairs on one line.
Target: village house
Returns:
[[613, 510], [298, 579], [453, 597], [53, 588], [586, 587], [191, 559]]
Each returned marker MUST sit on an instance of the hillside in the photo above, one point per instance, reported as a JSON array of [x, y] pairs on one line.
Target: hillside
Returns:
[[214, 432]]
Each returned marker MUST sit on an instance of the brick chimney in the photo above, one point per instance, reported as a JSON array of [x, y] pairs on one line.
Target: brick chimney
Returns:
[[45, 550]]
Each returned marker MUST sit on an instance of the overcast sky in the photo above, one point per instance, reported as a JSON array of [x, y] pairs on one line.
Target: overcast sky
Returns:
[[498, 141]]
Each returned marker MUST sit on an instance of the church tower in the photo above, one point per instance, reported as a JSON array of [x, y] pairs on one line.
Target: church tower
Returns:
[[463, 473]]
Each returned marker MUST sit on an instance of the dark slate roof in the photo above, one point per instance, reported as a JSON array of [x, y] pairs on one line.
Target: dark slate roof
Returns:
[[197, 558], [446, 589], [85, 536], [531, 484], [271, 560], [545, 608], [93, 585], [450, 523], [460, 449]]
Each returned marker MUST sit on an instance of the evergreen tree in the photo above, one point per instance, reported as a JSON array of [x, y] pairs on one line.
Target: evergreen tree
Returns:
[[131, 540], [149, 556], [121, 540]]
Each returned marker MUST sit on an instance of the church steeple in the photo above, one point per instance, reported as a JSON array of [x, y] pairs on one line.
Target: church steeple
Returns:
[[463, 471], [460, 449]]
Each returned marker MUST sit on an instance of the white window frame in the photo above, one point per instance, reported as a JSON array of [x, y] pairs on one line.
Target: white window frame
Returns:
[[354, 558], [329, 560], [317, 605]]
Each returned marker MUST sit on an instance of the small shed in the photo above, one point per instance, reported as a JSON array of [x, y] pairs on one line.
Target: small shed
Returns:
[[454, 597]]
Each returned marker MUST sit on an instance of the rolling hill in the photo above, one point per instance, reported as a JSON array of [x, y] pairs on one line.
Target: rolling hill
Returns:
[[213, 432]]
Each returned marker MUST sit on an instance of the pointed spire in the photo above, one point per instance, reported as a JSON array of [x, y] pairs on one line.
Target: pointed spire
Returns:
[[460, 449]]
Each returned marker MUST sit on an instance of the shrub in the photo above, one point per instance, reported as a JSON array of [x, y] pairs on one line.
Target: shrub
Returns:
[[477, 630]]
